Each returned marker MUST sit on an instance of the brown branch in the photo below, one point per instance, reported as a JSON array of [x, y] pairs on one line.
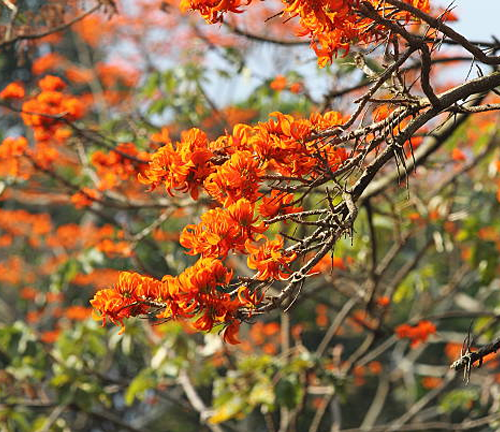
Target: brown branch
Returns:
[[439, 25], [196, 401], [57, 29], [264, 39], [425, 427], [468, 359]]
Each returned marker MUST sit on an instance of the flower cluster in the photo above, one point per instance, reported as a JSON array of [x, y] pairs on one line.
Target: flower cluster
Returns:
[[182, 167], [416, 334], [198, 294], [221, 230], [11, 152], [19, 223], [231, 167], [269, 258], [45, 112], [123, 163], [331, 25], [232, 171], [212, 10], [14, 90]]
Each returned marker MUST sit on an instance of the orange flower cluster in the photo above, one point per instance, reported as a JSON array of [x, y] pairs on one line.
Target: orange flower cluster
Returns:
[[15, 270], [280, 82], [269, 258], [17, 223], [277, 203], [104, 238], [231, 170], [44, 112], [85, 198], [98, 277], [231, 167], [237, 178], [332, 25], [198, 294], [416, 334], [212, 10], [11, 151], [14, 90], [286, 144], [222, 230], [182, 167], [119, 165], [47, 62]]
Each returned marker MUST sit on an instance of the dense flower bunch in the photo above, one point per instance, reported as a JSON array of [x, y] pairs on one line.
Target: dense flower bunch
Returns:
[[104, 238], [18, 223], [44, 112], [232, 171], [199, 292], [11, 152], [212, 10], [232, 166], [416, 334], [14, 90], [332, 25], [118, 165]]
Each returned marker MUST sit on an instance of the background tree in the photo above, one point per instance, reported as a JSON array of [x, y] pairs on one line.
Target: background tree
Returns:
[[295, 238]]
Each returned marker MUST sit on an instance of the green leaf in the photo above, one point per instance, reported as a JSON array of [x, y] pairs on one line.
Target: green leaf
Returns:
[[262, 394], [229, 409], [288, 392], [458, 399], [140, 384]]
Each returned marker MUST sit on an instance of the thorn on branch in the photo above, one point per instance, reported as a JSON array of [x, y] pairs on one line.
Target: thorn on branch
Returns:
[[468, 357]]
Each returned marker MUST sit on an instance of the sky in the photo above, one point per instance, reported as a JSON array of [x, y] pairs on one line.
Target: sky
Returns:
[[478, 18]]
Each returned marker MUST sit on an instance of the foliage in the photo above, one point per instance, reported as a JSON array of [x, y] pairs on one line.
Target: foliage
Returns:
[[304, 242]]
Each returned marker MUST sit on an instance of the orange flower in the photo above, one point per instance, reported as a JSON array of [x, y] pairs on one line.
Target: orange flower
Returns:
[[239, 177], [28, 293], [278, 203], [78, 313], [79, 75], [296, 87], [452, 351], [279, 83], [112, 248], [85, 198], [271, 329], [212, 10], [458, 155], [430, 382], [269, 258], [13, 147], [222, 230], [47, 62], [182, 167], [375, 367], [231, 333], [326, 264], [51, 83], [50, 336], [14, 90], [383, 301], [247, 299], [91, 29], [416, 334], [123, 163]]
